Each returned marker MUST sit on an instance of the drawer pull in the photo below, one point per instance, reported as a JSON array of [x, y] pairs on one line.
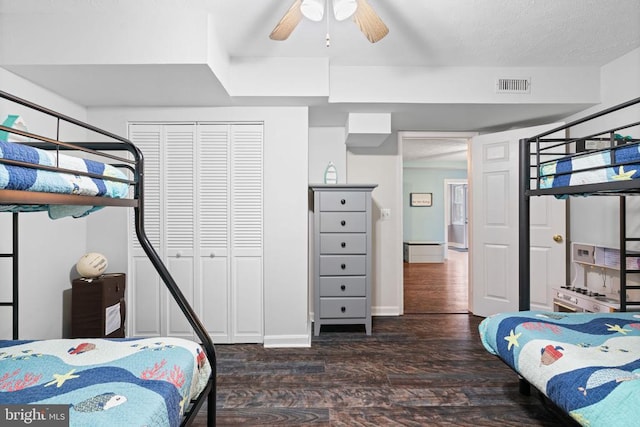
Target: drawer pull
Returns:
[[343, 309], [343, 287], [343, 223], [343, 201], [343, 244], [343, 266]]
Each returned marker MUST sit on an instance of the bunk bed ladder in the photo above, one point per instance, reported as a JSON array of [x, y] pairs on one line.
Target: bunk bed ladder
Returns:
[[14, 266], [625, 272]]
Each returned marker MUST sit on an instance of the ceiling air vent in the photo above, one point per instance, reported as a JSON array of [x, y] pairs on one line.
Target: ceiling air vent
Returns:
[[513, 85]]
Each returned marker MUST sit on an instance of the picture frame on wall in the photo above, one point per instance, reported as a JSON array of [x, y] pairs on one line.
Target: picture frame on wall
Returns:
[[421, 199]]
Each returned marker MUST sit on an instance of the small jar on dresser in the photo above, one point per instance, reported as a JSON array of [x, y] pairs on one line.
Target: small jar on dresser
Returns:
[[342, 254]]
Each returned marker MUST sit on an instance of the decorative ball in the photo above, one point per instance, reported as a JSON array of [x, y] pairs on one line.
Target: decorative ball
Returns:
[[91, 265]]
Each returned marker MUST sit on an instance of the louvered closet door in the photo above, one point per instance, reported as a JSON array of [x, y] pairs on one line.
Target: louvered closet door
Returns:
[[230, 231], [213, 212], [144, 290], [179, 207], [204, 216], [246, 232]]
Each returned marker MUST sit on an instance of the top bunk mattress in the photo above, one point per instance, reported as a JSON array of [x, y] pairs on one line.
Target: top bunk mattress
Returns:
[[36, 179], [613, 165]]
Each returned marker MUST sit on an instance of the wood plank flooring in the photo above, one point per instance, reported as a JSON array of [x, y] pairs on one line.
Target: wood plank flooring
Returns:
[[437, 287], [414, 370], [426, 369]]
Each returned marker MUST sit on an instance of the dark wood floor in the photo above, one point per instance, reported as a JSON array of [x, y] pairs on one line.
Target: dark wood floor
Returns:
[[437, 287], [414, 370], [426, 369]]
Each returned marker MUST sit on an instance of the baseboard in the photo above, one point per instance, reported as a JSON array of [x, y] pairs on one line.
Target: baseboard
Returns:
[[385, 311], [276, 341]]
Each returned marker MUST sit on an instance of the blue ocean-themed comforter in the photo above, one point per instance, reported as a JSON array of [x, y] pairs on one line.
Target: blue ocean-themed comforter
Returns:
[[586, 363], [105, 382], [33, 179], [592, 168]]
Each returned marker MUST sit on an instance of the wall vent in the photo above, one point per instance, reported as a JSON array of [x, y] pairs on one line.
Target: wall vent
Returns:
[[513, 85]]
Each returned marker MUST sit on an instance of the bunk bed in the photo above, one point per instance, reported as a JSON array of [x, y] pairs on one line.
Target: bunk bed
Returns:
[[586, 364], [129, 381]]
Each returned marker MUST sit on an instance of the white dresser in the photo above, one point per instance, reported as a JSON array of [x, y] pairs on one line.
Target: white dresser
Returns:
[[342, 254]]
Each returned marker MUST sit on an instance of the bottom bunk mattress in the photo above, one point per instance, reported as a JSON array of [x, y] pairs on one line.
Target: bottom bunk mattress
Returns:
[[105, 382], [588, 364]]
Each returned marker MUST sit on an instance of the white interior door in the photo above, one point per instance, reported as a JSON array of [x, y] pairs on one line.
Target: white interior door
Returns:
[[494, 255]]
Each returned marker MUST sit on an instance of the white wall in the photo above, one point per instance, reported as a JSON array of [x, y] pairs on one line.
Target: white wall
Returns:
[[326, 144], [595, 219], [48, 249], [383, 166], [286, 311]]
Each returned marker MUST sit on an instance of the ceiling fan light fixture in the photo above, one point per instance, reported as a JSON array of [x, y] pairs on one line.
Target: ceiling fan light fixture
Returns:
[[343, 9], [312, 9]]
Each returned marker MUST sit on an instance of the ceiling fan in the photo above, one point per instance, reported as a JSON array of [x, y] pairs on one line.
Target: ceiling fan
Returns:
[[363, 15]]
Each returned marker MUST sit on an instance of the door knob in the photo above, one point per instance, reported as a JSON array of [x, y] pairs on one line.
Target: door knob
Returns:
[[557, 238]]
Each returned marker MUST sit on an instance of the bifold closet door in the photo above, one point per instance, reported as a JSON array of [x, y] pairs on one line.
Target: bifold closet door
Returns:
[[203, 214], [246, 232], [169, 216], [144, 293], [213, 209], [230, 219], [179, 221]]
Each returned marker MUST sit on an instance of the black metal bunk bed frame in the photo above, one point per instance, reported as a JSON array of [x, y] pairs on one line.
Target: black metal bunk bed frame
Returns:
[[118, 143], [530, 173]]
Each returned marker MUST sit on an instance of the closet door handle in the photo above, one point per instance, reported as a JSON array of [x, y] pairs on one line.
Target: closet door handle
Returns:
[[343, 201], [343, 244], [343, 266], [343, 223], [343, 309], [343, 287]]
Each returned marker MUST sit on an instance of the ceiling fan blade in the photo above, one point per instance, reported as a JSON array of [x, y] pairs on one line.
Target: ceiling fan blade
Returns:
[[369, 22], [288, 23]]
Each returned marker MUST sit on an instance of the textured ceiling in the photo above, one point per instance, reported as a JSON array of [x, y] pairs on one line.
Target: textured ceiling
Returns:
[[510, 33]]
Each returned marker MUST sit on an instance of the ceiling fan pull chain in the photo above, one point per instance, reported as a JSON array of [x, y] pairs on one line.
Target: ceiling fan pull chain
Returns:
[[328, 38]]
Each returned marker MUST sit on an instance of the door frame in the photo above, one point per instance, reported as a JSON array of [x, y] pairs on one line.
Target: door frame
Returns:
[[425, 135]]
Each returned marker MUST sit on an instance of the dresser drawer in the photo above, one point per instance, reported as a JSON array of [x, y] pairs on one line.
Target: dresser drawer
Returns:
[[342, 201], [343, 222], [343, 307], [343, 265], [343, 286], [343, 243]]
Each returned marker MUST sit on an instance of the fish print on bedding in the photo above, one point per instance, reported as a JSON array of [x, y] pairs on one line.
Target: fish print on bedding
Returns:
[[105, 382], [586, 363]]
